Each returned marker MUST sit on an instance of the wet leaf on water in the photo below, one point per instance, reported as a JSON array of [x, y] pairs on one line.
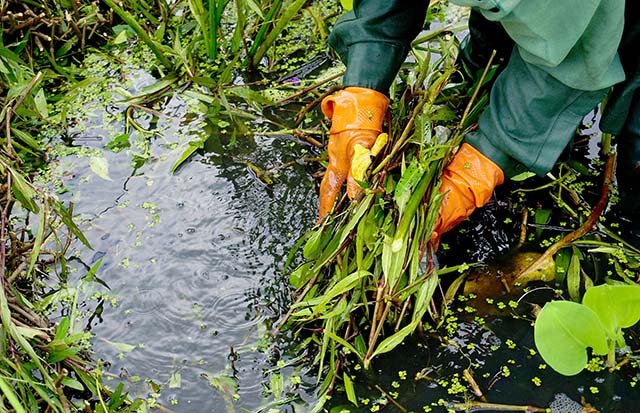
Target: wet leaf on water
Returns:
[[191, 148], [452, 291], [225, 384], [100, 167], [123, 347], [119, 143], [277, 385], [522, 176], [175, 381]]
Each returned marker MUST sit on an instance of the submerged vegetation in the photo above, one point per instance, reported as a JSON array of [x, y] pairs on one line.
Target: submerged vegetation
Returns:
[[368, 280]]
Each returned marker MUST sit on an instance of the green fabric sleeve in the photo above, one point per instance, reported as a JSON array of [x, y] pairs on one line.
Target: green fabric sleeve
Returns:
[[530, 119], [374, 39], [575, 41]]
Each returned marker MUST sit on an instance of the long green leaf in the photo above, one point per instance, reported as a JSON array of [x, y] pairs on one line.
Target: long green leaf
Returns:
[[282, 23], [37, 243], [396, 339], [11, 396], [275, 7], [133, 23], [23, 191], [343, 342], [348, 388]]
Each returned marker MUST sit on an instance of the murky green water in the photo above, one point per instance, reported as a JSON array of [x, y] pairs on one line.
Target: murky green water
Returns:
[[193, 261]]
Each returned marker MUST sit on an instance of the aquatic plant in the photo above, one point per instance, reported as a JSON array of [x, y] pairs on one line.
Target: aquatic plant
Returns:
[[564, 329], [368, 278], [43, 364]]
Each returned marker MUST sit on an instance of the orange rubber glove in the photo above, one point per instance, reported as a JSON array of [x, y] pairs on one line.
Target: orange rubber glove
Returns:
[[467, 182], [356, 118]]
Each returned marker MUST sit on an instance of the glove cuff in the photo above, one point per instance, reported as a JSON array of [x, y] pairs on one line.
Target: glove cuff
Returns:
[[355, 108]]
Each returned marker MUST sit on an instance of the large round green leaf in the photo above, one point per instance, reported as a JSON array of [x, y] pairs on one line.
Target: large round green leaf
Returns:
[[617, 306], [563, 331]]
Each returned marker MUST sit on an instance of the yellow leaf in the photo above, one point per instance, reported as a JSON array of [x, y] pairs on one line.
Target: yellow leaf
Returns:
[[381, 140], [360, 162]]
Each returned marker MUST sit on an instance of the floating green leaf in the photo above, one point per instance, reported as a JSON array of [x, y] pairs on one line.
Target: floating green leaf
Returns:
[[563, 332], [100, 166], [617, 307]]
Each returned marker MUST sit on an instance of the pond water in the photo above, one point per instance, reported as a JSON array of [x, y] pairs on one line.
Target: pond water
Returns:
[[192, 259], [193, 262]]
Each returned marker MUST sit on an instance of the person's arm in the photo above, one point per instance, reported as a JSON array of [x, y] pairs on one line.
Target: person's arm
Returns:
[[563, 64], [374, 39], [575, 41]]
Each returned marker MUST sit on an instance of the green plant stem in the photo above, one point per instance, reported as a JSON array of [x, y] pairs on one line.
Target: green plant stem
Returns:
[[133, 23], [611, 355], [214, 22]]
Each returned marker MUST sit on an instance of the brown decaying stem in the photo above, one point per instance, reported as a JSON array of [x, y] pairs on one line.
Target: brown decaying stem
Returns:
[[391, 399], [310, 88], [587, 225], [523, 226], [375, 333], [475, 405], [28, 315], [474, 385], [374, 320]]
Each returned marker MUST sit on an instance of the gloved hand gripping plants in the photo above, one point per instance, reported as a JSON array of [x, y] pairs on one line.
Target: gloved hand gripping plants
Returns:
[[359, 113], [368, 277]]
